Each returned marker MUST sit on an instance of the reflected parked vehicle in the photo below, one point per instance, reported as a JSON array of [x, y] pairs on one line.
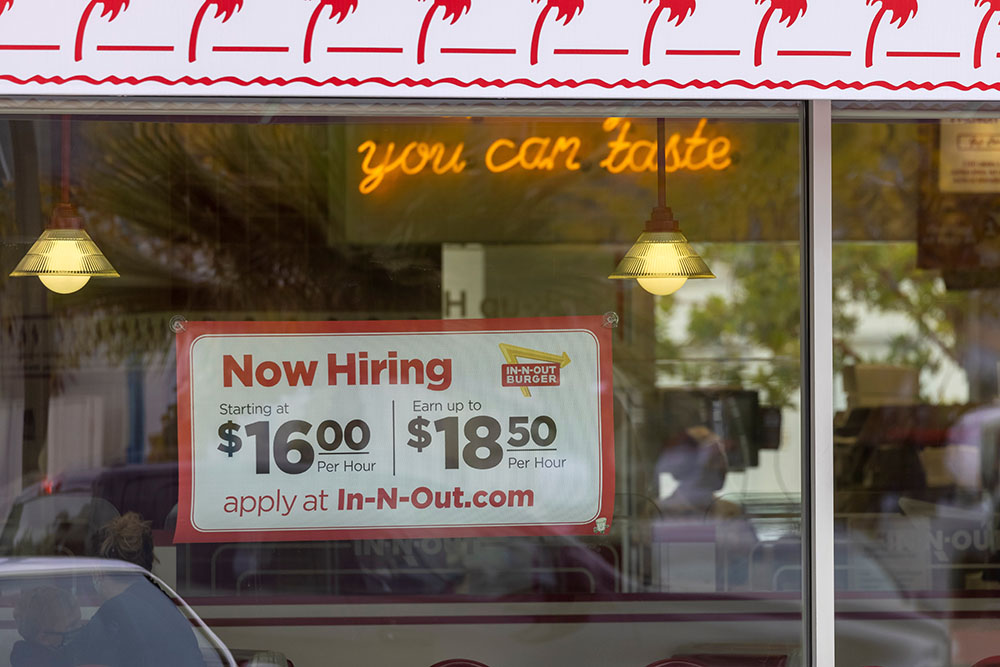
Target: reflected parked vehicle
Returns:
[[59, 516], [743, 569], [77, 609]]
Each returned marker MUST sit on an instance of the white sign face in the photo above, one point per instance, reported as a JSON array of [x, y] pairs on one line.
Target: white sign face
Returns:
[[970, 156], [325, 430], [735, 49]]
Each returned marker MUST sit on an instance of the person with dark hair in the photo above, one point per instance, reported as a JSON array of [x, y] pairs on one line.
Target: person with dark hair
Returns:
[[130, 539], [45, 615], [136, 624]]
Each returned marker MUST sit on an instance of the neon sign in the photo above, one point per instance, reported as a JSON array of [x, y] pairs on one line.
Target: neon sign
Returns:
[[411, 160], [692, 153], [697, 152], [534, 153]]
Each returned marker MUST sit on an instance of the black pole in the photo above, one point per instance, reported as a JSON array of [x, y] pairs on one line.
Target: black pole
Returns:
[[662, 218], [64, 180], [661, 163]]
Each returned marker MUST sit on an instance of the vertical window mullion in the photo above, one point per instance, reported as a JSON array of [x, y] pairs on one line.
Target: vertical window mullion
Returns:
[[817, 393]]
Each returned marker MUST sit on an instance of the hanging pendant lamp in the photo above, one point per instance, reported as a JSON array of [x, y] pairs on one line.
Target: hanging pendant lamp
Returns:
[[661, 259], [64, 257]]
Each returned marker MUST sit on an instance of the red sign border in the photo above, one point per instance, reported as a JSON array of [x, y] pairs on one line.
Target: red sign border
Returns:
[[186, 532]]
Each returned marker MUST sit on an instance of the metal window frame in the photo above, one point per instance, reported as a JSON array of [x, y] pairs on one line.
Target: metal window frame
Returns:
[[816, 301], [271, 109], [817, 387]]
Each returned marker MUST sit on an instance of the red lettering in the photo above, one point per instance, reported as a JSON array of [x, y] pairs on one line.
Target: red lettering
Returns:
[[230, 367], [386, 499], [267, 373], [442, 499], [425, 497], [265, 368], [334, 369], [299, 372]]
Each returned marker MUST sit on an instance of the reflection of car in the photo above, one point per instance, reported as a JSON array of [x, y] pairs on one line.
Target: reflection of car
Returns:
[[54, 525], [743, 570], [62, 514], [148, 488], [77, 580]]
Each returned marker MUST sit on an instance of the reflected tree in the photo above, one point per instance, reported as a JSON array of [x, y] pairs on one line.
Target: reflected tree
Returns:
[[884, 180]]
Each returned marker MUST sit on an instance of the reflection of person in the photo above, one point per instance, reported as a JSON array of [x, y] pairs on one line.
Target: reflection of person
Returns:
[[697, 461], [136, 624], [44, 616]]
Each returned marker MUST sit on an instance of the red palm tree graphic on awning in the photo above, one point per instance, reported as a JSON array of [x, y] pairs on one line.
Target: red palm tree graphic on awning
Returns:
[[565, 11], [453, 9], [790, 10], [994, 7], [679, 10], [901, 11], [111, 9], [223, 8], [339, 9]]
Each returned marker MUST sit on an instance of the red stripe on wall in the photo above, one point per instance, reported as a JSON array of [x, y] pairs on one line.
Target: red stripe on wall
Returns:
[[480, 51], [251, 49], [814, 53], [702, 52], [130, 47], [364, 49], [29, 47], [924, 54], [591, 52]]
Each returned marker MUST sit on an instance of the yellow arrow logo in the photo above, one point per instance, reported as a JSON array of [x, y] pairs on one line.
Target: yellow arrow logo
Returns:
[[514, 354]]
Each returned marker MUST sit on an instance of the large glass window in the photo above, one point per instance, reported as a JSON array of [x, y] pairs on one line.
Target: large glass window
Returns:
[[916, 361], [377, 219]]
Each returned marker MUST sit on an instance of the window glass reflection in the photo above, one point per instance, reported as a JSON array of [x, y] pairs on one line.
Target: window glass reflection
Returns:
[[418, 219], [915, 307]]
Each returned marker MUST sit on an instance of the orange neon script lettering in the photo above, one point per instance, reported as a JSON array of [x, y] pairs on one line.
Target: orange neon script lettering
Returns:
[[696, 154], [411, 160], [534, 154], [692, 153]]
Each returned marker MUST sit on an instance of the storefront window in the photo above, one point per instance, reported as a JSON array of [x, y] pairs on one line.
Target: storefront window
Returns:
[[915, 303], [429, 225]]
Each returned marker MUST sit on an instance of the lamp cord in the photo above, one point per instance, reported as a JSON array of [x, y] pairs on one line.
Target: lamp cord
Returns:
[[661, 163], [662, 218], [65, 158]]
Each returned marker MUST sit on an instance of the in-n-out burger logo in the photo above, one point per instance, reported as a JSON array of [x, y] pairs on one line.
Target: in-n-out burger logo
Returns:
[[946, 544], [530, 375], [352, 368], [544, 373]]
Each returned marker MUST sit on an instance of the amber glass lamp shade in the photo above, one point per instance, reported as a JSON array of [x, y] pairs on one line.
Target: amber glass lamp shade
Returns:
[[64, 257], [661, 259]]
